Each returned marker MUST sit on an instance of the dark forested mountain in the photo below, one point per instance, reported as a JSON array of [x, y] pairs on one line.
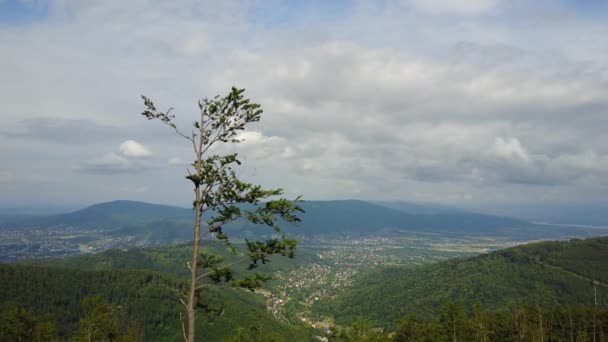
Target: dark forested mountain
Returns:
[[107, 215], [117, 218], [118, 210], [168, 223], [546, 274], [419, 208], [364, 217]]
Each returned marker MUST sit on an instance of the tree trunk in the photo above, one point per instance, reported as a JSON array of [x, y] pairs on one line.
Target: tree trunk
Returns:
[[594, 307], [191, 306], [540, 324], [571, 326]]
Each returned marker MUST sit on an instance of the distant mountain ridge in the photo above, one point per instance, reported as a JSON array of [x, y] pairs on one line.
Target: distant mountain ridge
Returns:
[[163, 222], [108, 211], [594, 214]]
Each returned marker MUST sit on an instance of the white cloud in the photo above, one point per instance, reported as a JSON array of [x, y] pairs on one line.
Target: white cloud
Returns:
[[252, 138], [177, 161], [376, 114], [510, 149], [195, 45], [110, 163], [509, 161], [133, 149], [478, 98], [255, 145], [288, 152], [131, 158], [437, 7]]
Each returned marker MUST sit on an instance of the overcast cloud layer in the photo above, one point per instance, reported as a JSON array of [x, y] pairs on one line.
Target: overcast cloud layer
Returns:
[[462, 102]]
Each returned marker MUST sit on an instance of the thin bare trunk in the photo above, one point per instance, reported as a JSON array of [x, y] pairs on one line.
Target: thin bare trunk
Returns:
[[191, 306], [540, 324], [594, 308], [571, 326], [196, 236]]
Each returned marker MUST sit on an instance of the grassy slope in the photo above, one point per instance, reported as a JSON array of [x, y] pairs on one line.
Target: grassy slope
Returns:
[[548, 273]]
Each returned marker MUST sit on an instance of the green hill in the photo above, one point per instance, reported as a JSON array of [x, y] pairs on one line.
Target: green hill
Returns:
[[548, 274], [171, 259], [148, 299]]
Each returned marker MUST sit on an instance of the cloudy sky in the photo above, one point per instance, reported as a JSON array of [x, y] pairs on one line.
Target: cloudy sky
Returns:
[[459, 102]]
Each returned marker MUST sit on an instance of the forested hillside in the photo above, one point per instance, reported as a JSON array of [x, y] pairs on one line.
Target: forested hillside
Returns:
[[547, 274], [170, 259], [145, 299], [544, 288], [523, 323]]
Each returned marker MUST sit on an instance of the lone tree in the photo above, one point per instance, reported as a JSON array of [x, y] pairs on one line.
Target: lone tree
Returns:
[[219, 195]]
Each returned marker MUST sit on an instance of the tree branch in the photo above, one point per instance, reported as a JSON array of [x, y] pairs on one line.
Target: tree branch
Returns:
[[181, 319], [220, 268], [214, 140], [219, 224], [193, 140], [180, 133], [209, 228]]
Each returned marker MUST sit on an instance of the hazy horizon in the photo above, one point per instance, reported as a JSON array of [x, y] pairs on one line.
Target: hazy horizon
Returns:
[[586, 214]]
